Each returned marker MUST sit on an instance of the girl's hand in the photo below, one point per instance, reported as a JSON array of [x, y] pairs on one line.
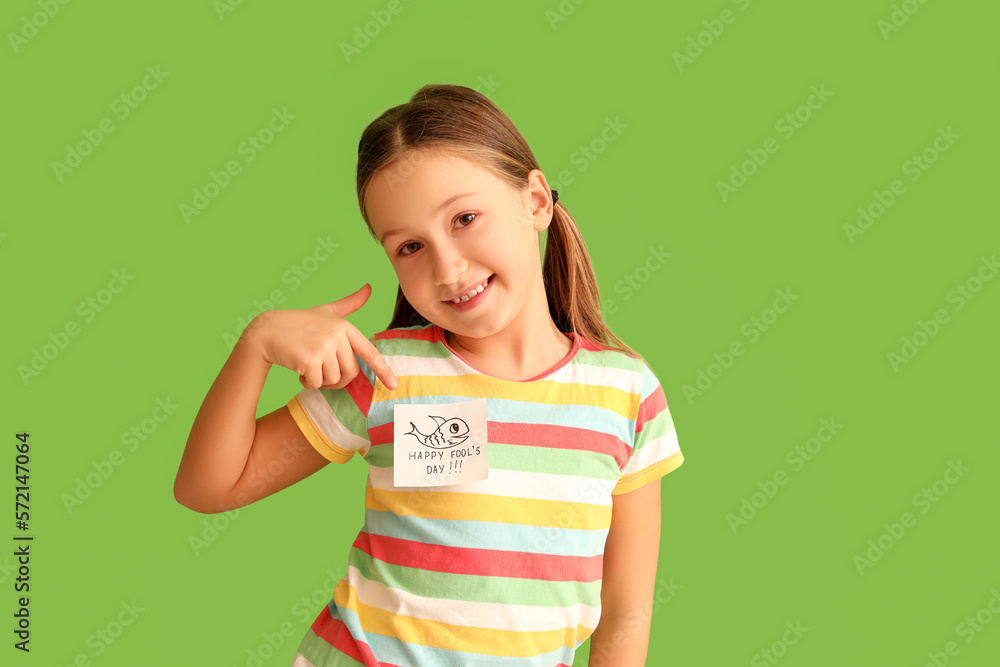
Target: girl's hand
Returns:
[[318, 344]]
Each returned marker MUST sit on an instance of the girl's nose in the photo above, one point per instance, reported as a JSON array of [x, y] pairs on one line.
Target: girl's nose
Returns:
[[449, 265]]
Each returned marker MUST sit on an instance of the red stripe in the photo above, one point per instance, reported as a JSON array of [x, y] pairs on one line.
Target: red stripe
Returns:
[[480, 562], [361, 390], [380, 435], [654, 404], [558, 437], [587, 344]]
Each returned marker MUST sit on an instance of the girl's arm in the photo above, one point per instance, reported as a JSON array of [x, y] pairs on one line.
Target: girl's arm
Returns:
[[233, 459], [630, 556]]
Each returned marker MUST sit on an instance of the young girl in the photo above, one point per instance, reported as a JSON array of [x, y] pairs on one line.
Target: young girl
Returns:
[[514, 444]]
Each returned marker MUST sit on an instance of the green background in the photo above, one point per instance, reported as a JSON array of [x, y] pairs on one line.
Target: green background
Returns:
[[163, 337]]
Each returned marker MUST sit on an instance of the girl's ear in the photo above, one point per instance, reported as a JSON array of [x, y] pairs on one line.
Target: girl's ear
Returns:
[[540, 195]]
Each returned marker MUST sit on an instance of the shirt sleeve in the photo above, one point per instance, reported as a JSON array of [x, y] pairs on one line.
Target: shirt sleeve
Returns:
[[655, 450], [335, 421]]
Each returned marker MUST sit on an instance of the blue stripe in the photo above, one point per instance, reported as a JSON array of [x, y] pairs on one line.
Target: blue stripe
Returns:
[[649, 382]]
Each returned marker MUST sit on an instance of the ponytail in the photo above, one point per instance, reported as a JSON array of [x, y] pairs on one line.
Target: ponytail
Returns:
[[571, 286]]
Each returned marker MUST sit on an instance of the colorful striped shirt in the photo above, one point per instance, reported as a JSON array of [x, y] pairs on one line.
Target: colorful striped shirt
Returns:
[[505, 571]]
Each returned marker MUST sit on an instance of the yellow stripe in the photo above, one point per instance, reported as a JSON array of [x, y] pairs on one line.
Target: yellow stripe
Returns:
[[635, 480], [541, 391], [437, 634], [315, 436], [483, 507]]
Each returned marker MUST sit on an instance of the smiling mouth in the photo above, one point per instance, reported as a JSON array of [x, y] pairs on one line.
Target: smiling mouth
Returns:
[[478, 289]]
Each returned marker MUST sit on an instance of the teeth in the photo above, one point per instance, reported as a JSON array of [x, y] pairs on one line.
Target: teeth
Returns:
[[473, 292]]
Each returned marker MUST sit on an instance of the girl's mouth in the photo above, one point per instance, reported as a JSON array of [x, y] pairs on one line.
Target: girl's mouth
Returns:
[[473, 300]]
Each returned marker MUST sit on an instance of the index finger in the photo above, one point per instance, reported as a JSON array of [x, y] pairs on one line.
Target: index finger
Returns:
[[370, 354]]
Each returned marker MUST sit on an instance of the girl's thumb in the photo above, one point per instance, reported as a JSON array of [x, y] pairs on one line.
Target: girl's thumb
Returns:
[[350, 303]]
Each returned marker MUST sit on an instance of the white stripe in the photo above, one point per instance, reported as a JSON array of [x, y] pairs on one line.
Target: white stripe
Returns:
[[518, 618], [604, 376], [653, 451], [513, 484], [322, 414], [425, 366]]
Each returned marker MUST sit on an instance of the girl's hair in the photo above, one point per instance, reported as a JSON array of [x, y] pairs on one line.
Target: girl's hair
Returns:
[[465, 123]]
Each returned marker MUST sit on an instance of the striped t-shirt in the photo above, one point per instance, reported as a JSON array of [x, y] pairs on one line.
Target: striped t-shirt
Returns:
[[504, 571]]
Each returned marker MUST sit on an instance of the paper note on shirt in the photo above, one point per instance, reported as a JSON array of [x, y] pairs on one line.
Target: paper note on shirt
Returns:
[[438, 444]]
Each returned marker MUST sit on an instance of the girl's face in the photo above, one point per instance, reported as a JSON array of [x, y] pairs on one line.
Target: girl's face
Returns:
[[448, 226]]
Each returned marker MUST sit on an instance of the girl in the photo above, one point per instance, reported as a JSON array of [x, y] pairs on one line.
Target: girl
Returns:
[[514, 444]]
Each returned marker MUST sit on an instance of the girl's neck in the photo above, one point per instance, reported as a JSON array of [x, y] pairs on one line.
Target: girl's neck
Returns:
[[530, 345]]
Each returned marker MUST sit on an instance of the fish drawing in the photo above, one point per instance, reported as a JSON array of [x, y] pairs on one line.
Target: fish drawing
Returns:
[[449, 432]]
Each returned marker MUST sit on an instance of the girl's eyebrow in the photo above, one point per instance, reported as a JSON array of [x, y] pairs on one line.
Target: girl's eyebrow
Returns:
[[442, 206]]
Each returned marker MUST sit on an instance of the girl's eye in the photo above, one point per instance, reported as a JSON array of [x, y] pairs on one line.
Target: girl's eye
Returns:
[[407, 245], [466, 215]]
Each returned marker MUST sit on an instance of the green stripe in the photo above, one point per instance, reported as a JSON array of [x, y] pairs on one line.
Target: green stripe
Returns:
[[347, 412], [476, 588], [412, 348], [606, 359], [524, 458], [659, 425], [553, 461], [381, 456]]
